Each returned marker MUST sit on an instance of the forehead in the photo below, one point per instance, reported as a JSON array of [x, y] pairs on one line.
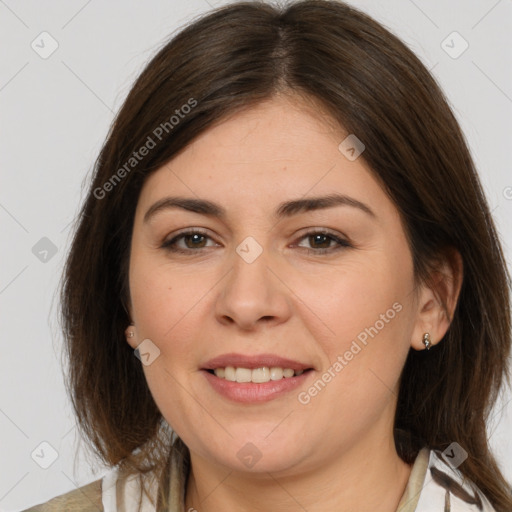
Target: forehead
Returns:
[[277, 130], [279, 149]]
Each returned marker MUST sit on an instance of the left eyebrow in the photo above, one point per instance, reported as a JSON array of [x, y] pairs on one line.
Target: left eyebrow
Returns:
[[285, 209]]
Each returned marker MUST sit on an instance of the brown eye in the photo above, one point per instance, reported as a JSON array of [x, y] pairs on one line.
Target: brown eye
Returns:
[[193, 240], [321, 242], [324, 239]]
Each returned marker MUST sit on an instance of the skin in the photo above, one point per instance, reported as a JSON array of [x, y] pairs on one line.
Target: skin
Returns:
[[337, 451]]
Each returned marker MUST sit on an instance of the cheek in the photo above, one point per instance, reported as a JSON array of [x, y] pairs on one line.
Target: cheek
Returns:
[[369, 324], [163, 296], [163, 300], [363, 358], [361, 298]]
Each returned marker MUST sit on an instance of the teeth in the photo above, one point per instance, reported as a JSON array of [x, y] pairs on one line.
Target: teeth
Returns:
[[229, 373], [257, 375], [243, 375], [260, 375], [220, 372], [276, 373]]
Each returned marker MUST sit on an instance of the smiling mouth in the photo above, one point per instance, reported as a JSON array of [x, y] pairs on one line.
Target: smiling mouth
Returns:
[[255, 375]]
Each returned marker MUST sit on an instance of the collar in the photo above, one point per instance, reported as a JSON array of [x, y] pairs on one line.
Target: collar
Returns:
[[426, 490]]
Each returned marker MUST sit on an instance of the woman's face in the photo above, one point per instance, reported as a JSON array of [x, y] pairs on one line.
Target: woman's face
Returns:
[[263, 290]]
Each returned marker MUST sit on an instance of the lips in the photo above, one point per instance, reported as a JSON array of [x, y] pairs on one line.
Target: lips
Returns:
[[252, 362], [247, 390]]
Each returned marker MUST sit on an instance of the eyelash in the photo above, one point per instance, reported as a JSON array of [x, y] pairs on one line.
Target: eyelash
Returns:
[[169, 245]]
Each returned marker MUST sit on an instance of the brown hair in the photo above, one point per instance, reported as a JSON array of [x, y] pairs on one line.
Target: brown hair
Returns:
[[373, 86]]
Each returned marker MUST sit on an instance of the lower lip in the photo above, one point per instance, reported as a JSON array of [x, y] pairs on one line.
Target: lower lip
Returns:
[[250, 392]]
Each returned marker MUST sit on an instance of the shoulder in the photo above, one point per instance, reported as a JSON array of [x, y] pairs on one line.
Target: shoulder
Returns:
[[83, 499], [446, 488]]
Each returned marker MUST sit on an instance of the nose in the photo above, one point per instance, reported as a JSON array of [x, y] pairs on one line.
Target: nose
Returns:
[[253, 293]]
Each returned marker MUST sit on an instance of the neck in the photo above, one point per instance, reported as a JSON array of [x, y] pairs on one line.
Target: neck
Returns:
[[366, 477]]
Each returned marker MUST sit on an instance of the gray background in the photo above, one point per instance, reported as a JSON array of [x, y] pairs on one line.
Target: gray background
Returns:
[[55, 114]]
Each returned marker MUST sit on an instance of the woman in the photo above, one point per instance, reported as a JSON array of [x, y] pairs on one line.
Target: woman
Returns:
[[287, 230]]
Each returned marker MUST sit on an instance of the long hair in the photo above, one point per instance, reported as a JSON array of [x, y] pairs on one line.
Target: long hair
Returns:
[[373, 86]]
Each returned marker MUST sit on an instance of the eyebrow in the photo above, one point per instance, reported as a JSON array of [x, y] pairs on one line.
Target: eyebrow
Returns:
[[285, 209]]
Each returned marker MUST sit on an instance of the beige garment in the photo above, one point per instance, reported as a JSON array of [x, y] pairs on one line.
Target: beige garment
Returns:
[[83, 499], [414, 486], [422, 493]]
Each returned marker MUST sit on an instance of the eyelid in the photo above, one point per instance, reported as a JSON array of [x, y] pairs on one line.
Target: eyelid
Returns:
[[341, 240], [182, 233]]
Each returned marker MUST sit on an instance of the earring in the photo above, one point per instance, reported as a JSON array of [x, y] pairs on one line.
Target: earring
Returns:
[[130, 334], [426, 341]]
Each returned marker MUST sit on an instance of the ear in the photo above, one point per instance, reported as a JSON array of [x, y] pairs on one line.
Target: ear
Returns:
[[131, 336], [438, 298]]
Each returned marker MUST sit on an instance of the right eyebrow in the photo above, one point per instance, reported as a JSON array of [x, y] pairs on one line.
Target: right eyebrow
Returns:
[[285, 209]]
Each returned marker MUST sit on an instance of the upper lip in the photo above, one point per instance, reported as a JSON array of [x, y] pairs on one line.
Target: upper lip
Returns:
[[254, 361]]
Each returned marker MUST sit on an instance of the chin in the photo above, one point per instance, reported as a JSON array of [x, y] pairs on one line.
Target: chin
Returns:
[[259, 455]]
